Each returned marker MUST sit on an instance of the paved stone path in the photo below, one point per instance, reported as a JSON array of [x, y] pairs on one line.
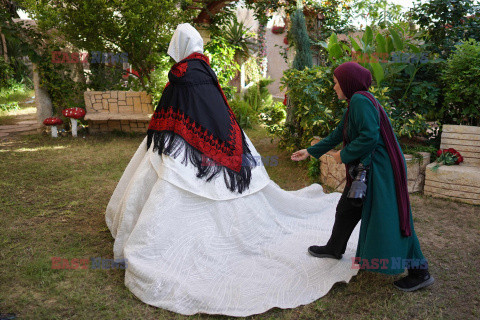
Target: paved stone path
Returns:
[[20, 125], [23, 124]]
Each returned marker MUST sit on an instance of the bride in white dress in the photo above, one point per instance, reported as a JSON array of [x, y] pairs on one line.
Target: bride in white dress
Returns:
[[193, 245]]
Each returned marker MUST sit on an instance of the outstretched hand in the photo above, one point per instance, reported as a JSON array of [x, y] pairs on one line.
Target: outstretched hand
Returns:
[[300, 155]]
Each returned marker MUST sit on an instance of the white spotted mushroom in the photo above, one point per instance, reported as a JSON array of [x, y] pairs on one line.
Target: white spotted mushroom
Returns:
[[53, 122], [74, 114]]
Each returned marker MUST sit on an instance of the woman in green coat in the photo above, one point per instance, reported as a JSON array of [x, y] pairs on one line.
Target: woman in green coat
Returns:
[[387, 242]]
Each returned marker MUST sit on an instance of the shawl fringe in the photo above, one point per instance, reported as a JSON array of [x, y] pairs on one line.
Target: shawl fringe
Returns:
[[173, 145]]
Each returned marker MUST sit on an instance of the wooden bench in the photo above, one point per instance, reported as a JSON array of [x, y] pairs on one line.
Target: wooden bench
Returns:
[[128, 111]]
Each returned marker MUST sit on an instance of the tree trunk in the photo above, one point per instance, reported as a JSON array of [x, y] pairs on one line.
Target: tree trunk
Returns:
[[42, 98], [4, 46]]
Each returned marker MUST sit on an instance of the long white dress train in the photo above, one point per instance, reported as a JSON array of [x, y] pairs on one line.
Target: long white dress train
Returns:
[[195, 247]]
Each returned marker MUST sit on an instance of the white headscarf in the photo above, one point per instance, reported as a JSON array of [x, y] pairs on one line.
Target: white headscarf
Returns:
[[185, 41]]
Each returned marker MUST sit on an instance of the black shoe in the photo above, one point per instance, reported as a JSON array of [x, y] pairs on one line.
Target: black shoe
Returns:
[[414, 282], [323, 252], [7, 316]]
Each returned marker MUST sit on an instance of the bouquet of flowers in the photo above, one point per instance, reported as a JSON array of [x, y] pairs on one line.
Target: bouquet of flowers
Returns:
[[448, 157]]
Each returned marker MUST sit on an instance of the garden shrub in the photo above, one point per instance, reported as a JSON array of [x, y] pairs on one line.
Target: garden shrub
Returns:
[[6, 73], [462, 86], [317, 106], [222, 60], [245, 114], [273, 115], [258, 96]]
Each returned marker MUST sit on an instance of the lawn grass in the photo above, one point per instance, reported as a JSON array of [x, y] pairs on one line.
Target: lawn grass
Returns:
[[53, 194]]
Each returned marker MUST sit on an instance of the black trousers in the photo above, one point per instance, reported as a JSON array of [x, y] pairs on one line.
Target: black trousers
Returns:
[[346, 218]]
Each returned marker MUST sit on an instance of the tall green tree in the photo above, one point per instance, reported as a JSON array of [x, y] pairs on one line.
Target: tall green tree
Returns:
[[15, 41], [446, 23], [378, 12], [302, 60], [303, 57], [141, 29]]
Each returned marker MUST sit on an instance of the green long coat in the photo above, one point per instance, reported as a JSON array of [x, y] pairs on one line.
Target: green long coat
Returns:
[[380, 236]]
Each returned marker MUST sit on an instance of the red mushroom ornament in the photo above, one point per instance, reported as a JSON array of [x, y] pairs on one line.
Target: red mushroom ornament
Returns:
[[54, 122], [74, 114]]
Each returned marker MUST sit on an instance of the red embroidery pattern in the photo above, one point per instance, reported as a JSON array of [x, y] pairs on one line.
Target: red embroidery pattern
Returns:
[[197, 55], [179, 69], [226, 154]]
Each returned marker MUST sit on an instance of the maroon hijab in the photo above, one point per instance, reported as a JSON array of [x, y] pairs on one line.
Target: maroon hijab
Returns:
[[353, 78]]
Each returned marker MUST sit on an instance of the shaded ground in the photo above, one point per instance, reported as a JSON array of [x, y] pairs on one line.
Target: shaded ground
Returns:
[[53, 194], [22, 121]]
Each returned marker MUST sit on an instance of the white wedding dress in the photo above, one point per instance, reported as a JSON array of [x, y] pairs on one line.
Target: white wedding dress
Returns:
[[195, 247]]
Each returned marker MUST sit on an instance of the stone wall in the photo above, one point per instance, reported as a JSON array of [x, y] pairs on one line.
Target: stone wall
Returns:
[[333, 174], [117, 125], [127, 111], [458, 182], [416, 171]]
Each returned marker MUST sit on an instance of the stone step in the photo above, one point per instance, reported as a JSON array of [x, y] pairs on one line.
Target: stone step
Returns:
[[461, 136], [461, 129], [446, 194], [457, 182], [457, 142]]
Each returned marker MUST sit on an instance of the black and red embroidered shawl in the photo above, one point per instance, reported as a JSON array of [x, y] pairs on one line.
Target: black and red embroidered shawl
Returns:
[[193, 119]]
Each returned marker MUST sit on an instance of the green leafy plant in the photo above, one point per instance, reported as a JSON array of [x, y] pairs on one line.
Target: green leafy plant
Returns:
[[378, 12], [395, 62], [222, 59], [140, 28], [244, 113], [159, 77], [59, 81], [445, 23], [318, 109], [273, 114], [6, 73], [462, 87], [104, 77], [314, 170], [238, 36], [303, 57], [258, 96], [252, 69], [10, 106]]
